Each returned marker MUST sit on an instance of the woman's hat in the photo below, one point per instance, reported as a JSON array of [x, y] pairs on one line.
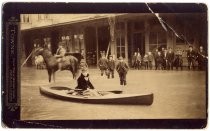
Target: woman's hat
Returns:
[[85, 69]]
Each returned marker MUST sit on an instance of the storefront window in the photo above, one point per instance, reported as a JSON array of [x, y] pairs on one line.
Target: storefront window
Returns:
[[120, 46], [153, 38], [43, 16], [47, 42], [78, 42], [139, 25], [25, 18], [157, 40]]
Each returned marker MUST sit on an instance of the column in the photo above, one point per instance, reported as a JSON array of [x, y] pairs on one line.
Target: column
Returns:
[[97, 57], [111, 21], [147, 31], [112, 48], [126, 40]]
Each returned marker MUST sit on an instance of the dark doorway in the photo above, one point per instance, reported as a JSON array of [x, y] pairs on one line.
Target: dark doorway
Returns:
[[54, 41], [103, 39], [90, 44], [138, 43]]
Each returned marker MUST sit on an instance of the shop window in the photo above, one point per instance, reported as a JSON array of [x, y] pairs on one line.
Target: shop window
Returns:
[[120, 46], [157, 40], [161, 36], [65, 40], [25, 18], [78, 42], [43, 16], [47, 42], [46, 16], [153, 38], [139, 25]]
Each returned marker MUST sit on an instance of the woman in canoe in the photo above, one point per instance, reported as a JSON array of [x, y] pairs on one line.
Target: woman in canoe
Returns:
[[83, 82], [84, 86]]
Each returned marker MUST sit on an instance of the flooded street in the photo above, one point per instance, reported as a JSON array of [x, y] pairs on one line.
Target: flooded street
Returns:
[[177, 94]]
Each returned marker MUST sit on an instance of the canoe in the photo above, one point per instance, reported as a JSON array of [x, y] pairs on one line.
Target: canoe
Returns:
[[107, 97]]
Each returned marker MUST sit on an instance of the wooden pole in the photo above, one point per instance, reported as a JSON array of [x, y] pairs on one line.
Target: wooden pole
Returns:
[[107, 51], [27, 58]]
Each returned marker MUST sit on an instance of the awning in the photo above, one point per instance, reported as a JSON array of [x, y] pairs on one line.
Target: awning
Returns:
[[71, 19]]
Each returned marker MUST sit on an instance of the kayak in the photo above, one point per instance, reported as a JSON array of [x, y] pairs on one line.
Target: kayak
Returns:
[[106, 97]]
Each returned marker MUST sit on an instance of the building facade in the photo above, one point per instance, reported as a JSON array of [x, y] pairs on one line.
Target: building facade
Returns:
[[115, 34]]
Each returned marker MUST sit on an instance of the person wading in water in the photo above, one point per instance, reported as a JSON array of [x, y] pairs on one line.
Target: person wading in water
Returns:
[[122, 69]]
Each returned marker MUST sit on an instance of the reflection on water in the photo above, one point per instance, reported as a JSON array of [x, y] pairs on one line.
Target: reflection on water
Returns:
[[176, 95]]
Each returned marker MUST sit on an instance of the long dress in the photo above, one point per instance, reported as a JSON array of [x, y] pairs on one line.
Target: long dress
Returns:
[[84, 82]]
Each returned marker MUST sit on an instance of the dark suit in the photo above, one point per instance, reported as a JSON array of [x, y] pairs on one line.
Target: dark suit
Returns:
[[122, 69], [202, 59], [84, 84], [102, 65], [191, 56], [111, 67], [150, 59], [155, 56], [170, 59], [164, 56], [159, 62]]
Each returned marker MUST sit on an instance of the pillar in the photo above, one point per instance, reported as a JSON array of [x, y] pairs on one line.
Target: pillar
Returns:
[[112, 47], [97, 53], [112, 43], [147, 31], [126, 40]]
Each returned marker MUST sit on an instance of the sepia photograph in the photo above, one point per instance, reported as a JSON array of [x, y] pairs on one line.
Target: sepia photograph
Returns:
[[149, 65], [113, 66]]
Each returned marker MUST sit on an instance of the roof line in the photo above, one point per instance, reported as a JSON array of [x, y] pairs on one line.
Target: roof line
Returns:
[[71, 22]]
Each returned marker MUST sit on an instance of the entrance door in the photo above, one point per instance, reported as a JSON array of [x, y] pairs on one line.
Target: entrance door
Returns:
[[138, 43], [54, 41], [103, 40], [90, 44]]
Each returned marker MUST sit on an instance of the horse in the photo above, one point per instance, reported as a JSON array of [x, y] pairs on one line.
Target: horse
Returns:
[[68, 63]]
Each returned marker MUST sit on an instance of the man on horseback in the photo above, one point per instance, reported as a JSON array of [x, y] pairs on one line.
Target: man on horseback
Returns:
[[60, 55]]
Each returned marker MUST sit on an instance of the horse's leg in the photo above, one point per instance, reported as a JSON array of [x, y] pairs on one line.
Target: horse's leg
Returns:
[[72, 69], [53, 76], [49, 75]]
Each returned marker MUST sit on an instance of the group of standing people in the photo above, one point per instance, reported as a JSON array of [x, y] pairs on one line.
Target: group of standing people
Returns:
[[200, 56], [107, 67], [146, 61], [167, 59]]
